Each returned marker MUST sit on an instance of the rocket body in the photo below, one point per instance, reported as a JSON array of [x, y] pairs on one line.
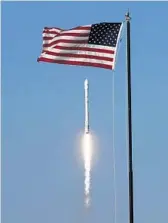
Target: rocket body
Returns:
[[86, 88]]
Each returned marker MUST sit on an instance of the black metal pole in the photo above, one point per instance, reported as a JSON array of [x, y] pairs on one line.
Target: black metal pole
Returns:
[[131, 195]]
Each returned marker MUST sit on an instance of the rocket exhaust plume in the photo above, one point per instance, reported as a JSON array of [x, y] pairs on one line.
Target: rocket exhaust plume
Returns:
[[87, 147], [87, 156]]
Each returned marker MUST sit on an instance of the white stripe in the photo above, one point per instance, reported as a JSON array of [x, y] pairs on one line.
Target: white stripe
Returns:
[[91, 46], [82, 26], [52, 29], [49, 35], [118, 38], [76, 29], [76, 52], [77, 59], [69, 31], [65, 38]]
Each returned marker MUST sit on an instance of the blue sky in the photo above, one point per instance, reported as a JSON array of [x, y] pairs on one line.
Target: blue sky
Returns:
[[43, 112]]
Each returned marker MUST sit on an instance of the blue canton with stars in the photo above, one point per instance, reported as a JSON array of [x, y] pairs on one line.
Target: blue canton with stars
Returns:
[[105, 34]]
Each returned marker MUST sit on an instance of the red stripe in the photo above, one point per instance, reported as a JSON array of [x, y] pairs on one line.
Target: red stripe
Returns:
[[75, 28], [75, 63], [74, 34], [80, 28], [48, 28], [51, 32], [47, 38], [67, 34], [85, 49], [65, 41], [79, 56]]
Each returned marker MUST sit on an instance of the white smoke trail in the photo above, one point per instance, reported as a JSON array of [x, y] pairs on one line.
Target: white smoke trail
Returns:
[[87, 156]]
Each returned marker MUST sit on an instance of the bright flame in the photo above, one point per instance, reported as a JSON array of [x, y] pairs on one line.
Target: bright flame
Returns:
[[87, 156]]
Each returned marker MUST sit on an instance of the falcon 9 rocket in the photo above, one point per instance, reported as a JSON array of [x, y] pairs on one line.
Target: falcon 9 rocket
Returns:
[[86, 88]]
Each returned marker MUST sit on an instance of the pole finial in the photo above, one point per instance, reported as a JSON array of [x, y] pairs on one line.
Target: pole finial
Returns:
[[127, 16]]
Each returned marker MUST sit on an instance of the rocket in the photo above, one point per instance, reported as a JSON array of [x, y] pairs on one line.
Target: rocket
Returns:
[[86, 88]]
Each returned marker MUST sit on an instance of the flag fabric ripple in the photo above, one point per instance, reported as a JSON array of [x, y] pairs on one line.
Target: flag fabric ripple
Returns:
[[90, 45]]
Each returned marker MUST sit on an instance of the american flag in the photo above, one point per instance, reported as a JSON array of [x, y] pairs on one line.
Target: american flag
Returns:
[[90, 45]]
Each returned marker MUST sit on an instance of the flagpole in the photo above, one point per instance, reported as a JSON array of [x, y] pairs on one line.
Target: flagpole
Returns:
[[131, 195]]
